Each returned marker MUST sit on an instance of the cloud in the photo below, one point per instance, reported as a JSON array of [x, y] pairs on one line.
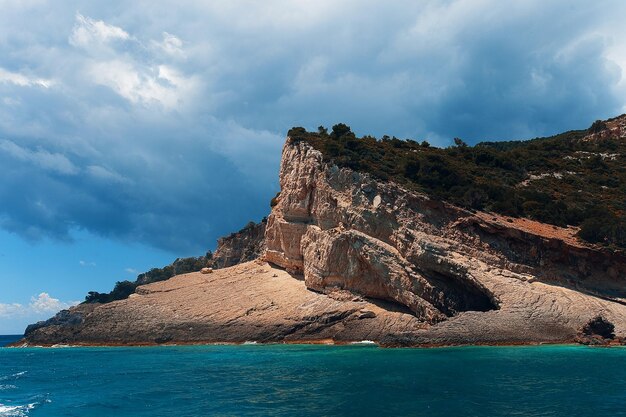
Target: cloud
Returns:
[[136, 72], [49, 161], [104, 174], [161, 84], [171, 45], [145, 163], [42, 304], [86, 263], [132, 271], [88, 33], [23, 80], [163, 123], [9, 310]]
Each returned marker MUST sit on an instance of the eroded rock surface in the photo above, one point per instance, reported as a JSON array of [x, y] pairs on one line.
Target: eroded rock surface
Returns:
[[474, 277], [249, 302], [242, 246]]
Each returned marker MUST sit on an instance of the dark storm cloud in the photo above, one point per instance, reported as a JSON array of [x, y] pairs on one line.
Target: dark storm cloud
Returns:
[[163, 123]]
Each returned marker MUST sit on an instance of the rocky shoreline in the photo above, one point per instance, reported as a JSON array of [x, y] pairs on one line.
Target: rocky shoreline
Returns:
[[260, 303]]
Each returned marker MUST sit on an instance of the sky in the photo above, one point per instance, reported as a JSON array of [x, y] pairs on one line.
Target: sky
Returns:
[[133, 133]]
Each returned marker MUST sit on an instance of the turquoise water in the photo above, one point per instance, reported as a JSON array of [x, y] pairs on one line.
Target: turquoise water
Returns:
[[291, 380]]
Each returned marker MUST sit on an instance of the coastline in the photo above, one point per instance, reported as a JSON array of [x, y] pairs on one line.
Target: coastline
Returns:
[[266, 305], [314, 342]]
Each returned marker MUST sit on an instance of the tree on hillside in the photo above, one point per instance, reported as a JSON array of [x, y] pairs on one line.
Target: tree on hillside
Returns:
[[340, 130]]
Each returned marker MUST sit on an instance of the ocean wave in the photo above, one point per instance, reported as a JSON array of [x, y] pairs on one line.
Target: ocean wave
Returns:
[[14, 376], [16, 410], [364, 342], [10, 410], [7, 386]]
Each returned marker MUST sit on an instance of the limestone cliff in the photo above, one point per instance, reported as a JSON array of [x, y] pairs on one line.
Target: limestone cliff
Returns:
[[242, 246], [482, 277], [383, 263]]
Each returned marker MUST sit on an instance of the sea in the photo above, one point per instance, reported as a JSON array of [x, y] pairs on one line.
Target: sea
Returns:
[[312, 380]]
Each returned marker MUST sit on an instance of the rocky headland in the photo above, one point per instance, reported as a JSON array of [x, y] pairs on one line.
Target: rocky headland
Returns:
[[347, 257]]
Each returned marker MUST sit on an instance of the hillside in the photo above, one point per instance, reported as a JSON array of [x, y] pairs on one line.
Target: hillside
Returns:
[[576, 178]]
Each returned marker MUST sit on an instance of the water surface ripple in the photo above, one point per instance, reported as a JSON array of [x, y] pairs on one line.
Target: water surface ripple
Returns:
[[300, 380]]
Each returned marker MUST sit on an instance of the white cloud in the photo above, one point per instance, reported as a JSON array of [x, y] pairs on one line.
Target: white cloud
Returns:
[[43, 303], [171, 45], [146, 85], [88, 33], [86, 263], [8, 310], [40, 304], [23, 80], [131, 271], [142, 75]]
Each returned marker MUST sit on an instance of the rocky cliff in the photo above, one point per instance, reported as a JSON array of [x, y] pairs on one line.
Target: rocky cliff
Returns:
[[242, 246], [473, 276], [348, 258]]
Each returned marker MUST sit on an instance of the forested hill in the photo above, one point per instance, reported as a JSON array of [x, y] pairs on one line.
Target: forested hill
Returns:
[[576, 178]]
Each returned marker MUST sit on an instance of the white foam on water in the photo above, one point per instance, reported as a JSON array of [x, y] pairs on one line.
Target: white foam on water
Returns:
[[250, 342], [364, 342], [16, 410], [14, 376], [6, 409], [7, 386]]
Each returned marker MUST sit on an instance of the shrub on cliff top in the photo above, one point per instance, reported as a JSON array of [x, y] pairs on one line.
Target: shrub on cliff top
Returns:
[[557, 180]]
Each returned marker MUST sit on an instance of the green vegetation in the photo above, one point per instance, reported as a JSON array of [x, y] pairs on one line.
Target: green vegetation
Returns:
[[123, 289], [562, 180]]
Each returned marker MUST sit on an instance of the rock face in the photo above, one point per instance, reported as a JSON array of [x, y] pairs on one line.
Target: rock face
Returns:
[[242, 246], [352, 258], [249, 302], [475, 277]]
